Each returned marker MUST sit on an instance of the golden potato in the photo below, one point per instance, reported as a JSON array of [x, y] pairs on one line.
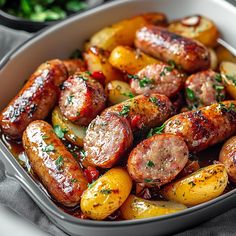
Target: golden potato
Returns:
[[196, 27], [106, 194], [224, 54], [73, 133], [123, 32], [138, 208], [201, 186], [214, 60], [228, 73], [97, 61], [118, 91], [130, 60]]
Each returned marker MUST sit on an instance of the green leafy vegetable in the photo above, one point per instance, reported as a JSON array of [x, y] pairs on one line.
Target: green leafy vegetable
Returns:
[[150, 164], [125, 111], [59, 131], [190, 94], [48, 148], [59, 162], [156, 130]]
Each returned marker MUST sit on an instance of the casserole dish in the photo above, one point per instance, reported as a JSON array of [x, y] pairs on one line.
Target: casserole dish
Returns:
[[58, 42]]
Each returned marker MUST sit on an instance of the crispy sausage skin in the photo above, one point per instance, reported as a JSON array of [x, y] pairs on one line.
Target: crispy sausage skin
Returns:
[[144, 111], [158, 78], [107, 139], [74, 65], [158, 159], [204, 127], [82, 98], [158, 42], [35, 99], [203, 89], [53, 164], [227, 157]]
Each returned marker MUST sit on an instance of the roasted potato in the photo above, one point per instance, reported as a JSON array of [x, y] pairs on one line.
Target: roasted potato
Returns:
[[228, 73], [123, 32], [73, 133], [130, 60], [214, 60], [196, 27], [224, 55], [106, 194], [138, 208], [97, 61], [118, 91], [203, 185]]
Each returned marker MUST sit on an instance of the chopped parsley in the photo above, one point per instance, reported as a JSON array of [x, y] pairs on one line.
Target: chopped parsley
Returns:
[[48, 148], [168, 68], [156, 130], [88, 72], [190, 94], [83, 78], [125, 111], [147, 180], [232, 78], [172, 64], [91, 185], [218, 78], [130, 95], [150, 164], [144, 82], [59, 131], [219, 93], [130, 76], [229, 109], [82, 154], [70, 99], [73, 180], [45, 137], [106, 191], [59, 162]]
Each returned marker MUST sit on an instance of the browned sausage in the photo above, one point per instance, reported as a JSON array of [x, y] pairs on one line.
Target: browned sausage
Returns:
[[107, 139], [144, 111], [228, 158], [35, 100], [82, 98], [203, 89], [157, 78], [53, 164], [74, 65], [158, 42], [204, 127], [158, 159]]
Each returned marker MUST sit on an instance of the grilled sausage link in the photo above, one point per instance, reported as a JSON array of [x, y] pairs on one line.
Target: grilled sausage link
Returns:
[[35, 99], [53, 164], [204, 127], [190, 55]]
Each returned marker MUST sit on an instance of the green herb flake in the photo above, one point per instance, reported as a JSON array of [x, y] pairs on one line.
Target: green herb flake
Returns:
[[172, 64], [156, 130], [45, 137], [147, 180], [218, 78], [153, 100], [130, 95], [190, 94], [144, 82], [192, 183], [48, 148], [218, 87], [73, 180], [91, 185], [70, 99], [59, 162], [106, 191], [88, 72], [231, 78], [125, 111], [59, 131], [150, 164], [130, 76]]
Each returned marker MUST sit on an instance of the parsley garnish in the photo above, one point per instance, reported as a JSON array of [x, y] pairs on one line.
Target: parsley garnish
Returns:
[[144, 82], [190, 94], [130, 95], [83, 78], [48, 148], [91, 185], [45, 137], [153, 100], [82, 154], [88, 72], [73, 180], [59, 162], [147, 180], [70, 99], [232, 78], [218, 78], [59, 131], [156, 130], [106, 191], [130, 76], [150, 164], [125, 111]]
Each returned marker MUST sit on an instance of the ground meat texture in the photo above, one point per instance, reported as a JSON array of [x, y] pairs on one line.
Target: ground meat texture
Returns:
[[35, 100], [158, 159], [55, 167], [107, 139], [203, 89], [158, 42], [158, 78], [82, 98], [204, 127]]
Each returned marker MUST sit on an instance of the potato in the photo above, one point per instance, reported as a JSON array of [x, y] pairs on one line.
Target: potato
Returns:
[[214, 60], [224, 54], [196, 27], [123, 32], [106, 194], [201, 186], [118, 91], [138, 208], [97, 61], [129, 60], [74, 133], [228, 73]]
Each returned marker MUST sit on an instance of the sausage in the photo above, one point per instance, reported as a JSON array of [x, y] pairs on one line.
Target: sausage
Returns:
[[203, 89], [158, 42], [144, 111], [81, 99], [227, 157], [35, 99], [107, 139], [204, 127], [158, 159], [53, 164], [157, 78], [74, 65]]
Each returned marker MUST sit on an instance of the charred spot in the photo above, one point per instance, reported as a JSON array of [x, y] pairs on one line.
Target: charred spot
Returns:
[[32, 109]]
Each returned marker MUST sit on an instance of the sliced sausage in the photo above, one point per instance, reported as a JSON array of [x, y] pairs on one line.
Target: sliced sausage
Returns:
[[204, 127], [158, 78], [74, 65], [144, 111], [107, 139], [158, 42], [53, 164], [203, 89], [35, 99], [228, 158], [158, 159], [82, 98]]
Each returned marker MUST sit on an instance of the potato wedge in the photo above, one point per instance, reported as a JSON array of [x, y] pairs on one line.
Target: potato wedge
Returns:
[[196, 27], [138, 208], [74, 133], [97, 61], [224, 55], [201, 186], [228, 73], [123, 32], [118, 91], [130, 60], [214, 60], [106, 194]]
